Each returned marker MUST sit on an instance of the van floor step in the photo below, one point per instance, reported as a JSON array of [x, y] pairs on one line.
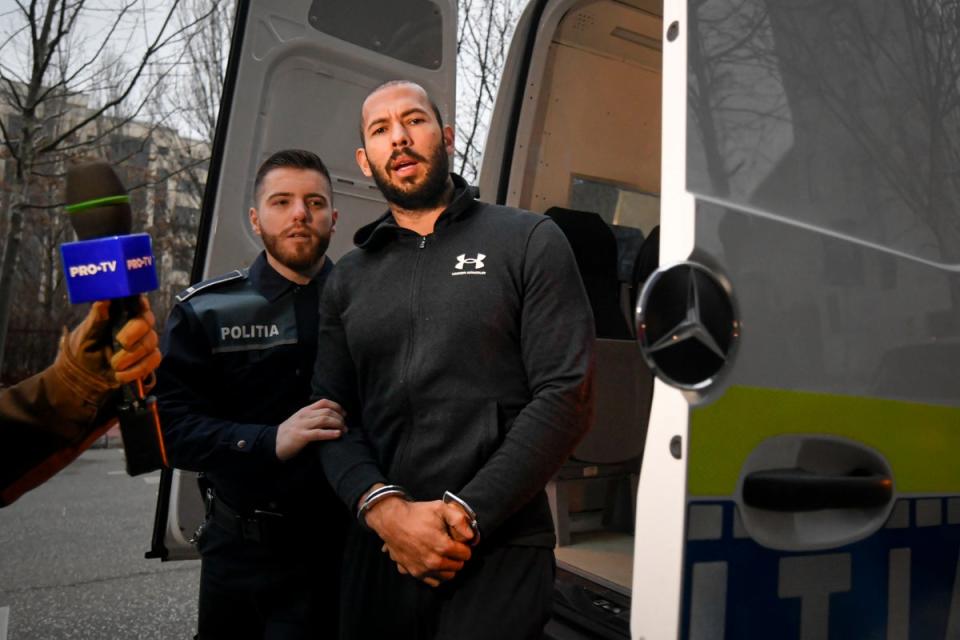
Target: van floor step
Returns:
[[584, 609]]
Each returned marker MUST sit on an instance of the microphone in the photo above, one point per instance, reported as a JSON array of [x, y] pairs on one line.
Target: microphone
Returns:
[[108, 262]]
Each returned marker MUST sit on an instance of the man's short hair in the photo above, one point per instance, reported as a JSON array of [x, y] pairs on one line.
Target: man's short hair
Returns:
[[394, 83], [290, 159]]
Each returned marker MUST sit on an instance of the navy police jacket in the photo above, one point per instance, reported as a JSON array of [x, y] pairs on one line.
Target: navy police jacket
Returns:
[[464, 359], [238, 353]]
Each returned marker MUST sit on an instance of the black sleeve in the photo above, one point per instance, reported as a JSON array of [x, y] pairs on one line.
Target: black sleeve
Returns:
[[557, 339], [349, 462], [196, 438]]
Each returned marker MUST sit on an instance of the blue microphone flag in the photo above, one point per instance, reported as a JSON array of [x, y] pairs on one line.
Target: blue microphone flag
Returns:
[[109, 268]]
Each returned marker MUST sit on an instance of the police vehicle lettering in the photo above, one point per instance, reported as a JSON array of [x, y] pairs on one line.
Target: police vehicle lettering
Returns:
[[900, 581], [880, 587]]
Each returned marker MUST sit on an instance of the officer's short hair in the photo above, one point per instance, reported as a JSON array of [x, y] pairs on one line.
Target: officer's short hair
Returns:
[[394, 83], [292, 159]]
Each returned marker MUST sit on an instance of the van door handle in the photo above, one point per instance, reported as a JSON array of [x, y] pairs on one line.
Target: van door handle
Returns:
[[802, 490]]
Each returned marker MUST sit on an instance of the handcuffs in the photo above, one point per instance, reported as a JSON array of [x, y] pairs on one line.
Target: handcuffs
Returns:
[[388, 490]]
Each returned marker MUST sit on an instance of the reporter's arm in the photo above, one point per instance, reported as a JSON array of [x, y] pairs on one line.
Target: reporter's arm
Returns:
[[45, 426], [51, 418]]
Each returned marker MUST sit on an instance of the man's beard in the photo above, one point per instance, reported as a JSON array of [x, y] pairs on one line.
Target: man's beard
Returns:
[[301, 258], [429, 194]]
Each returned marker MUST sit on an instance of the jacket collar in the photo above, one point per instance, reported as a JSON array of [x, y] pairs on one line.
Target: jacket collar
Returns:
[[272, 285], [385, 228]]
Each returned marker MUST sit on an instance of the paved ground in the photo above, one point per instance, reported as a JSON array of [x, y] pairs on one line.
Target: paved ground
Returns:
[[72, 565]]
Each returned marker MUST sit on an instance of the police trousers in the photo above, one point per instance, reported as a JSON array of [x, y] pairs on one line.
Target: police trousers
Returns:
[[255, 591], [503, 593]]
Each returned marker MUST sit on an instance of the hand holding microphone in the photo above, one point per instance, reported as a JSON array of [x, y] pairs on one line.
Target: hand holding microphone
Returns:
[[138, 356], [109, 263]]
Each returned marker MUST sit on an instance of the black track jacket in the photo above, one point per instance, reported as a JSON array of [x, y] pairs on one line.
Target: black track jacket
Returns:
[[464, 359]]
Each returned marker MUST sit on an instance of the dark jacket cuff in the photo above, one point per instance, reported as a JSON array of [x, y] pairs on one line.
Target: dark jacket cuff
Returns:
[[489, 516], [256, 440], [356, 482]]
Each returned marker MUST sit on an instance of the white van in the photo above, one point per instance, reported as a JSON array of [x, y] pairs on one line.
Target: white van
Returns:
[[778, 406]]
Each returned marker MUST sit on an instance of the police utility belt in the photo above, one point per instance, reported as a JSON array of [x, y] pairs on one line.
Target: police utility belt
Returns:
[[260, 527]]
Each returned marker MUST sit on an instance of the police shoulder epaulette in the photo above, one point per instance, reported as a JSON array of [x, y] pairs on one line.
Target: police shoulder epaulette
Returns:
[[192, 290]]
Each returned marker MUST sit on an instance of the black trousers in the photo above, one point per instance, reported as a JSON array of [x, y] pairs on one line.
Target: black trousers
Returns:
[[503, 593], [278, 591]]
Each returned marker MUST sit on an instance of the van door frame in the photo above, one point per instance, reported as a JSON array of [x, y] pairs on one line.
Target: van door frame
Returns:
[[158, 547], [661, 493]]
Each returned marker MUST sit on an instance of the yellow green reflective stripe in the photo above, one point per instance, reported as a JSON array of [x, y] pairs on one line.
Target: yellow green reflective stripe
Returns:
[[920, 441]]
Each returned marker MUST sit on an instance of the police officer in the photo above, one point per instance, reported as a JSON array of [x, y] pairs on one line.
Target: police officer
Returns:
[[239, 350]]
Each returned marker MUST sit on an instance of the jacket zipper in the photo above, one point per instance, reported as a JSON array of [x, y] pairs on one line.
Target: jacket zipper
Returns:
[[408, 357]]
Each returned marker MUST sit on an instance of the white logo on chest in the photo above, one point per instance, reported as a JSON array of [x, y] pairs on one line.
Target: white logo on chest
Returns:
[[475, 265], [238, 332]]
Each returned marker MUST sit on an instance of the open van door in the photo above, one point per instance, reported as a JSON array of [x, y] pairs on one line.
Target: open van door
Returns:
[[800, 164], [297, 74], [799, 477]]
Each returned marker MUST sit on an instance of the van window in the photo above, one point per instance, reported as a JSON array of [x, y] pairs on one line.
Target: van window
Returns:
[[850, 123], [410, 31], [616, 204]]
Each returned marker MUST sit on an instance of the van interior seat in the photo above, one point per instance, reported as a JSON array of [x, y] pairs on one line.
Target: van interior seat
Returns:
[[595, 250], [630, 243], [622, 389], [647, 261]]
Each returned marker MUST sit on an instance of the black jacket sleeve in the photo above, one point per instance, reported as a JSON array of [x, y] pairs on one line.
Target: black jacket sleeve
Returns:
[[557, 339], [198, 438], [349, 461]]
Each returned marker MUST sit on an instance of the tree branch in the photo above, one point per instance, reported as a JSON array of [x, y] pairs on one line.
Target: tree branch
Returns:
[[157, 44]]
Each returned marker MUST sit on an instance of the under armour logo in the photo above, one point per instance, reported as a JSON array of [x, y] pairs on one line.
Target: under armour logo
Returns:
[[475, 263]]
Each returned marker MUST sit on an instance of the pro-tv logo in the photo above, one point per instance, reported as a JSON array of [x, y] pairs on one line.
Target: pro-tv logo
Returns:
[[94, 268], [475, 265]]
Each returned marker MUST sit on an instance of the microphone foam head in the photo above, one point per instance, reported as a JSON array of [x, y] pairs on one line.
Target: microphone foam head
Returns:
[[97, 201]]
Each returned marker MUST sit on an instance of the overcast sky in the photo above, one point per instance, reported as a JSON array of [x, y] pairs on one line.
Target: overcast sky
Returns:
[[139, 26]]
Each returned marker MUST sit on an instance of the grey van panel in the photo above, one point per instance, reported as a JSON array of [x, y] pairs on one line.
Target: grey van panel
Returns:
[[844, 118], [812, 325], [288, 62], [824, 151]]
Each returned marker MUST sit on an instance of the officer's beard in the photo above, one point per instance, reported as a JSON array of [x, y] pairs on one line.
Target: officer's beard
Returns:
[[429, 194], [300, 257]]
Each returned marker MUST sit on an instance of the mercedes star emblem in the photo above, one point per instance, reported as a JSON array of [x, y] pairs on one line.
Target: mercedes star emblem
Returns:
[[686, 325]]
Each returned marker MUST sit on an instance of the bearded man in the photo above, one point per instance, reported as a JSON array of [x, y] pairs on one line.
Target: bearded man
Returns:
[[459, 338], [239, 352]]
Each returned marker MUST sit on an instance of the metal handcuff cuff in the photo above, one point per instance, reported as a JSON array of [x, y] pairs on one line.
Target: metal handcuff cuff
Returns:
[[388, 490], [376, 496], [450, 498]]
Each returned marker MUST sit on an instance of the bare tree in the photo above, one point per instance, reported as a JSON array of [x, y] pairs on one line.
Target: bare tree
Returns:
[[200, 83], [483, 35], [47, 82]]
